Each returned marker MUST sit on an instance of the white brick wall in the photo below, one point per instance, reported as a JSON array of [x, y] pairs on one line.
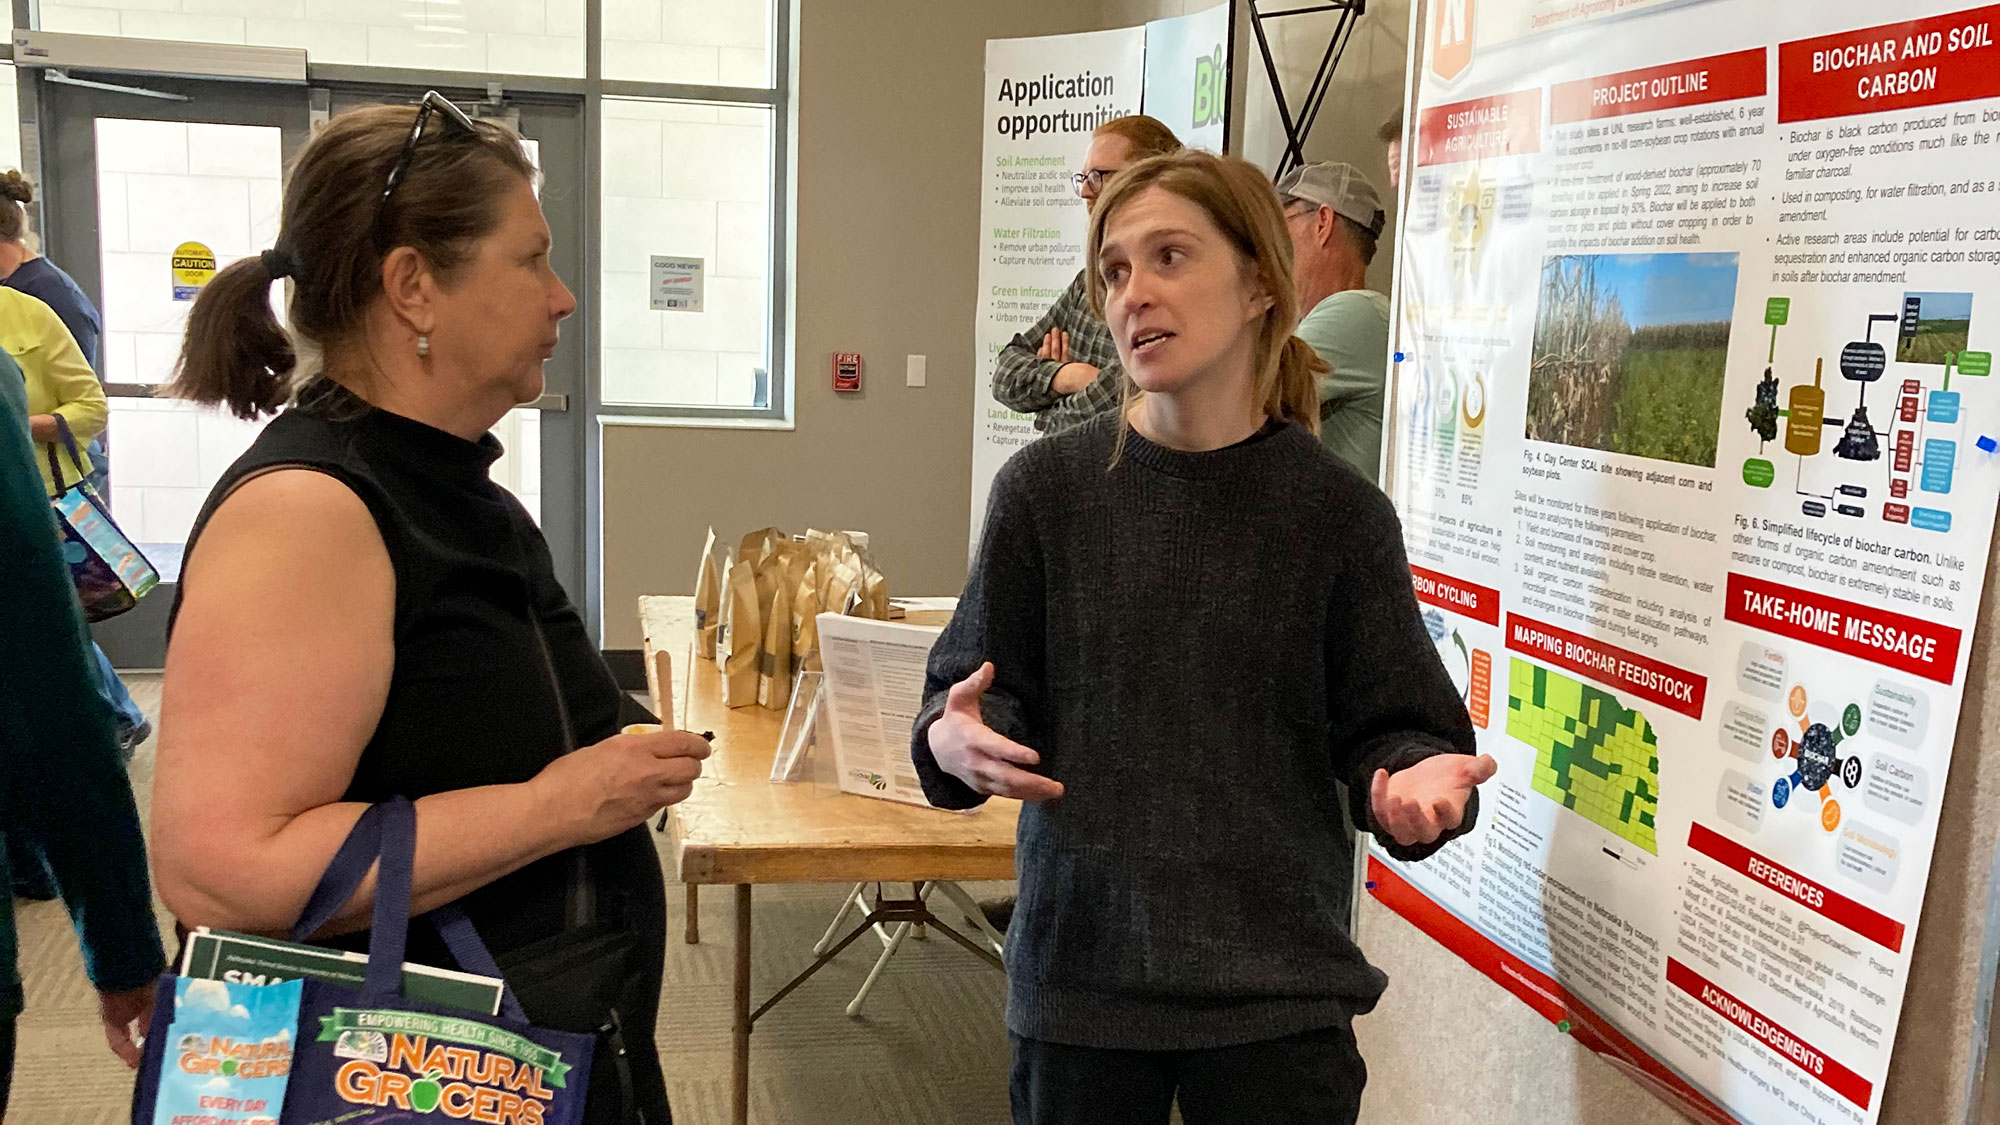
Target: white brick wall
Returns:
[[693, 181]]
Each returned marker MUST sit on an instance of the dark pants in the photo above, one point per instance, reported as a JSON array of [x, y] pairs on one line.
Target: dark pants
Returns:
[[1313, 1078]]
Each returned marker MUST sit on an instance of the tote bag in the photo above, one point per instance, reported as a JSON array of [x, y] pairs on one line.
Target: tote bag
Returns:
[[368, 1056], [110, 573]]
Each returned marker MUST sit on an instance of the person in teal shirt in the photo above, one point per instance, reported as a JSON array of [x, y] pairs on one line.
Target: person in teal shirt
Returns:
[[62, 784], [1335, 218]]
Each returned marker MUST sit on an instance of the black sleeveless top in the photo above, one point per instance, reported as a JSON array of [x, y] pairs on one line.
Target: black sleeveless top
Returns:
[[470, 701]]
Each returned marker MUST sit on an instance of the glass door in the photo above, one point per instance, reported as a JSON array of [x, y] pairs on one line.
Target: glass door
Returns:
[[129, 176]]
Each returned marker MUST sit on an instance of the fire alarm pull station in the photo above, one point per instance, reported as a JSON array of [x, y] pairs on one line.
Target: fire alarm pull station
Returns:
[[847, 371]]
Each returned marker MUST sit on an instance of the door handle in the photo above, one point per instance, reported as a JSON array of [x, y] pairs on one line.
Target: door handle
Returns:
[[549, 404]]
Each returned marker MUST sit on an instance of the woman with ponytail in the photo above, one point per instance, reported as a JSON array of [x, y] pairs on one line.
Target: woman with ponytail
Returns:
[[1187, 630], [363, 613]]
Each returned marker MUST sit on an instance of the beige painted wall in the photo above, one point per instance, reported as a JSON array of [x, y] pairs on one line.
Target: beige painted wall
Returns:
[[888, 148]]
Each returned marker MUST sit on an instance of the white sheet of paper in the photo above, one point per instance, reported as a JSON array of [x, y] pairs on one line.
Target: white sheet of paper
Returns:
[[678, 283], [875, 686]]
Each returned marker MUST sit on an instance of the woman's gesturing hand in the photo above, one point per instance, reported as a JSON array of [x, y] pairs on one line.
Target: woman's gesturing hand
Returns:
[[1419, 804], [966, 748]]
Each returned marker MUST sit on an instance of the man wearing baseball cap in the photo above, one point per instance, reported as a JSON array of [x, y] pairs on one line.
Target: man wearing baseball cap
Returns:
[[1335, 218]]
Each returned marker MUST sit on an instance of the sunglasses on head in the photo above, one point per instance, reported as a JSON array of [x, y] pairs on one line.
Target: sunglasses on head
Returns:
[[432, 103]]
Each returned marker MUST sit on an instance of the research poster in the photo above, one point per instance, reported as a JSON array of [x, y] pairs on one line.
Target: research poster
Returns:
[[1187, 76], [1694, 447], [1044, 97]]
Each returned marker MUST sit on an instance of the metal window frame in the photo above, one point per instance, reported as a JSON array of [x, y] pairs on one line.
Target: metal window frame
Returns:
[[593, 88], [777, 412]]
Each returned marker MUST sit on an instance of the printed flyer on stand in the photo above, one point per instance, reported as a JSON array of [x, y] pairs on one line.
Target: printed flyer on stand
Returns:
[[1694, 444]]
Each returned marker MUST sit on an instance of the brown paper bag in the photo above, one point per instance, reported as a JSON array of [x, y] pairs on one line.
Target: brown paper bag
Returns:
[[741, 637], [874, 591], [758, 545], [805, 621], [871, 588], [819, 544], [774, 659], [845, 586], [707, 600], [776, 574]]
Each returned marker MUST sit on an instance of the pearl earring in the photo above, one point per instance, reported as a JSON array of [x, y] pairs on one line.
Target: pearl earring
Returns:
[[423, 347]]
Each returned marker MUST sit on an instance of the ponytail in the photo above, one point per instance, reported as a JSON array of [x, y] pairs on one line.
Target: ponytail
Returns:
[[1295, 394], [236, 355]]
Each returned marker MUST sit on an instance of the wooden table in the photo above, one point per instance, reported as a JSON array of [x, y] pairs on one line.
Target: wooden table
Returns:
[[739, 828]]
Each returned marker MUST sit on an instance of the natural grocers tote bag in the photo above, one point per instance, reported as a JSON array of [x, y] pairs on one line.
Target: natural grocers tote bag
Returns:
[[369, 1056]]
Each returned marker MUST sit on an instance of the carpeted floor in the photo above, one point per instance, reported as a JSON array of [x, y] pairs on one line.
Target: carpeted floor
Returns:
[[929, 1047]]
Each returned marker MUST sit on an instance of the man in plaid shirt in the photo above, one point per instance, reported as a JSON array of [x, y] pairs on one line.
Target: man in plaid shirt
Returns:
[[1065, 369]]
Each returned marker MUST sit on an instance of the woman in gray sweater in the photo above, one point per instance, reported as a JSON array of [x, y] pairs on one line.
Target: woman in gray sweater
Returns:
[[1187, 628]]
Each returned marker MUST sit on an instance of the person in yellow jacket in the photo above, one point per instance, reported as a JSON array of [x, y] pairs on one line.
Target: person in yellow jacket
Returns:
[[60, 385]]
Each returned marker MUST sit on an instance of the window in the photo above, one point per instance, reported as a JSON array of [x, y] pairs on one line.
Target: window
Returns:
[[687, 181], [539, 37], [692, 167], [10, 118], [693, 170], [692, 42]]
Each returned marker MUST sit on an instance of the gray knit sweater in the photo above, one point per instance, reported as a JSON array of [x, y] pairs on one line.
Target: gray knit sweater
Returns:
[[1202, 647]]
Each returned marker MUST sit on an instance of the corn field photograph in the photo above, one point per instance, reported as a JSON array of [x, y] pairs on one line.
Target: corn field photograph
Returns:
[[1629, 353], [1944, 324]]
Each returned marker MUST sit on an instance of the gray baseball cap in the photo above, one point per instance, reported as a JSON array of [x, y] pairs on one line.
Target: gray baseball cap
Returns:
[[1339, 186]]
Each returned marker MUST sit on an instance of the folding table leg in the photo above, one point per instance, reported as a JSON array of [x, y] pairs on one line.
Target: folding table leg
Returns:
[[846, 908], [694, 914], [976, 916], [740, 1103], [896, 940]]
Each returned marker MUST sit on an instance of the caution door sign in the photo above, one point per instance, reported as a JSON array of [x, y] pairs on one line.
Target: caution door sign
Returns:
[[194, 268]]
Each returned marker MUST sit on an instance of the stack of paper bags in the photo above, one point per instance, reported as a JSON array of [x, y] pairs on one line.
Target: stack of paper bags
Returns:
[[757, 609]]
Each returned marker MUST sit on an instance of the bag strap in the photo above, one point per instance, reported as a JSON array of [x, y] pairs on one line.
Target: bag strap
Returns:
[[463, 940], [344, 874], [389, 932], [388, 830], [49, 451], [69, 443]]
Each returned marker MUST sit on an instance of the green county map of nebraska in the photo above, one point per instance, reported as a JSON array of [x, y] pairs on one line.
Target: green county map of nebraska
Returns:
[[1593, 755]]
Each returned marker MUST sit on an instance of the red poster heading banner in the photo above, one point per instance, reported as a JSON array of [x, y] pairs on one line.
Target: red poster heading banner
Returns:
[[1504, 125], [1879, 636], [1832, 905], [1801, 1054], [1675, 688], [1935, 61], [1467, 599], [1717, 78]]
